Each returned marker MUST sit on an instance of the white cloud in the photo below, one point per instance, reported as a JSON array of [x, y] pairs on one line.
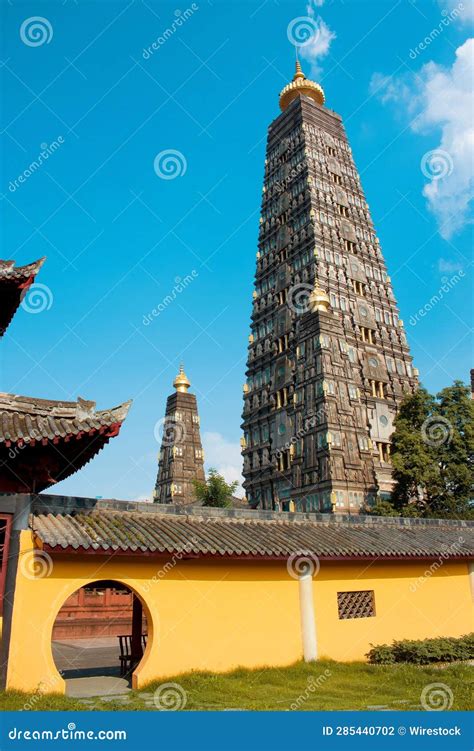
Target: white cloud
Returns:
[[320, 43], [390, 89], [441, 99], [445, 266], [224, 456], [465, 9]]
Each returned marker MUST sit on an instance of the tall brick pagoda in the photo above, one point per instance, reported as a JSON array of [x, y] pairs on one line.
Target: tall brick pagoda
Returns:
[[328, 360], [181, 459]]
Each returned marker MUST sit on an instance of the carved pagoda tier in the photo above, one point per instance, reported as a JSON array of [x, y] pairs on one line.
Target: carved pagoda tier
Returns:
[[43, 441], [181, 458], [328, 360], [14, 282]]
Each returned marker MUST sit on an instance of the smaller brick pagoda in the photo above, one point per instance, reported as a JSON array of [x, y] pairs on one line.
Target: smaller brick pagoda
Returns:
[[181, 459]]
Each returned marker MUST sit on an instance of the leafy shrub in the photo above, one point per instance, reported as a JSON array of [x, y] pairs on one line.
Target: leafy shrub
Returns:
[[443, 649], [381, 655]]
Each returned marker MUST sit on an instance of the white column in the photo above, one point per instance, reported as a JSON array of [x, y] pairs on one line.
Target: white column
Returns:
[[308, 622], [470, 568]]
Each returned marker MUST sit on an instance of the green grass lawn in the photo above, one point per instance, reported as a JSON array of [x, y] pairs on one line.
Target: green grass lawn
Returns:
[[323, 685]]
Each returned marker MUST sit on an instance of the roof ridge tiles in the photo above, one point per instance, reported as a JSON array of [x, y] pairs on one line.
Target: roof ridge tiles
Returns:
[[110, 529]]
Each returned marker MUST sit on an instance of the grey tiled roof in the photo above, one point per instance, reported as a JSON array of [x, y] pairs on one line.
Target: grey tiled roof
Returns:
[[27, 420], [153, 529]]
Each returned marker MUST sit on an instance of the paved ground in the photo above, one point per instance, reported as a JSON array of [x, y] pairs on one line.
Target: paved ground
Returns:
[[90, 667], [106, 687]]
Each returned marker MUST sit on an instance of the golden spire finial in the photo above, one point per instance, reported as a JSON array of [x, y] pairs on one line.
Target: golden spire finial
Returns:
[[300, 85], [181, 382], [298, 72], [319, 299]]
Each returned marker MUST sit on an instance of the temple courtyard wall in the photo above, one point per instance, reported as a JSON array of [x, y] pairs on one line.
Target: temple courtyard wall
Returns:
[[216, 614]]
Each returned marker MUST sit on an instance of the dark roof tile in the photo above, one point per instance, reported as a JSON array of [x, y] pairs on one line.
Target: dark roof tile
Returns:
[[25, 419], [156, 531]]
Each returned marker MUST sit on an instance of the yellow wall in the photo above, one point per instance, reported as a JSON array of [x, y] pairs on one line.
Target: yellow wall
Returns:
[[410, 603], [217, 616]]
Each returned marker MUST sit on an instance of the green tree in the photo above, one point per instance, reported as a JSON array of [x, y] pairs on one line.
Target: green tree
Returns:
[[413, 461], [381, 508], [433, 454], [452, 439], [215, 491]]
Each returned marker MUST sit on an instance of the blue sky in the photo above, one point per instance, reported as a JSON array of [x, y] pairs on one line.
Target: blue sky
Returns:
[[118, 237]]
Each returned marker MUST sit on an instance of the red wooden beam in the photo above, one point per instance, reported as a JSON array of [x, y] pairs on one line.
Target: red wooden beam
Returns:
[[70, 550]]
